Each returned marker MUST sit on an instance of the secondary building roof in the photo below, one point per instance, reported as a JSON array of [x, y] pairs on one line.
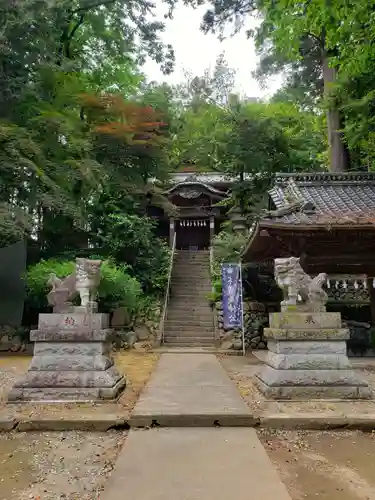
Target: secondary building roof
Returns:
[[321, 199], [309, 210]]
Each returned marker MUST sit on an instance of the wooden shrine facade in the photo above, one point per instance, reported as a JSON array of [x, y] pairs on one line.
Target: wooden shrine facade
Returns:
[[199, 214], [326, 219]]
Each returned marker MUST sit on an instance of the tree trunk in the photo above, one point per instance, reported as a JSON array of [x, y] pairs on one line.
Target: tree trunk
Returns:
[[338, 157]]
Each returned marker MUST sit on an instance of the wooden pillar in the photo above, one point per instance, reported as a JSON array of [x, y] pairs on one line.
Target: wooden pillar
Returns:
[[172, 231], [371, 291]]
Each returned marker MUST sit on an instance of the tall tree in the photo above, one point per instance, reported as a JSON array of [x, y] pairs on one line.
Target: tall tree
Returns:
[[287, 24], [50, 54]]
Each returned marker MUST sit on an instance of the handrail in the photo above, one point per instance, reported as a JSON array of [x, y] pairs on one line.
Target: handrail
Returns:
[[167, 292], [213, 290]]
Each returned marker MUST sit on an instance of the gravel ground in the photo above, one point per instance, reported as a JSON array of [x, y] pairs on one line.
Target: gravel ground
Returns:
[[64, 465], [52, 465], [242, 370]]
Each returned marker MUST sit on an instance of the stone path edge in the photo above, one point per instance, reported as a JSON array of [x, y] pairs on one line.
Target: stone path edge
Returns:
[[321, 421]]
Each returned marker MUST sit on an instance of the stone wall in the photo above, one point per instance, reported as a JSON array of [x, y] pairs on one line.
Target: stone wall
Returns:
[[255, 319]]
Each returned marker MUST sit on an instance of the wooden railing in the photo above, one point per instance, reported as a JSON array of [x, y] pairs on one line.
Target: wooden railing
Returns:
[[167, 293]]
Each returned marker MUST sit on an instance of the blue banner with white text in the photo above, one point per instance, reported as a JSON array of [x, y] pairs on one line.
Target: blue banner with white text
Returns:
[[232, 295]]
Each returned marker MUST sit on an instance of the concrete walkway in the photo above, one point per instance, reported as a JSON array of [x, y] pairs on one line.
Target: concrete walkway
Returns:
[[190, 390], [194, 464]]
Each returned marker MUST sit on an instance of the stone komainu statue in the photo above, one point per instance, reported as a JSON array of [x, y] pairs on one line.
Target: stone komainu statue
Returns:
[[84, 281], [298, 287]]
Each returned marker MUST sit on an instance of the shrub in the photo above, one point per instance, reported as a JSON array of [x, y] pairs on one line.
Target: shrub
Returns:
[[37, 277], [116, 289], [227, 247], [131, 239]]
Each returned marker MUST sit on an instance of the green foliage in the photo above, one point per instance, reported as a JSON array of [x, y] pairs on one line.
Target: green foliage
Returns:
[[51, 54], [130, 239], [302, 40], [117, 288], [37, 277], [227, 247]]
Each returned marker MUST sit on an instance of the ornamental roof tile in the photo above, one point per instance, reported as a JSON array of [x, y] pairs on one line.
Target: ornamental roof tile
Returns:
[[321, 198]]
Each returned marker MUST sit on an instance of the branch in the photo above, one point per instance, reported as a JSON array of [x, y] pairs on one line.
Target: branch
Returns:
[[69, 37]]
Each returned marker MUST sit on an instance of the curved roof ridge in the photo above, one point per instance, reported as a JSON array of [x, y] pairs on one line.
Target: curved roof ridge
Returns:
[[196, 183]]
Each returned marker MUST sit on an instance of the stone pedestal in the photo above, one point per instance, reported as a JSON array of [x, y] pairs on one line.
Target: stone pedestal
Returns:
[[71, 362], [307, 359]]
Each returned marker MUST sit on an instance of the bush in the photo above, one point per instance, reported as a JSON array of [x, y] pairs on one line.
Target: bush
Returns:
[[37, 277], [227, 247], [116, 289], [131, 239]]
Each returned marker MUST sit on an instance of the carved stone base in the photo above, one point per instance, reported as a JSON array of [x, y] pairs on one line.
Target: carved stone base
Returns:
[[71, 362], [307, 359]]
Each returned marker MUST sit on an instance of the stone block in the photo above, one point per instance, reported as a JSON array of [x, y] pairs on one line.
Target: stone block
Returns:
[[79, 379], [70, 363], [306, 334], [71, 349], [278, 378], [305, 320], [52, 394], [67, 321], [307, 361], [7, 423], [72, 360], [66, 394], [313, 392], [83, 334], [307, 347]]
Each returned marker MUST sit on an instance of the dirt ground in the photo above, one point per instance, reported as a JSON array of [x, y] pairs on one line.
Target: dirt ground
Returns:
[[64, 465], [56, 465], [323, 465]]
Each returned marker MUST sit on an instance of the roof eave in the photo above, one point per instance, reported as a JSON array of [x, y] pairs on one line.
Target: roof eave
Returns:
[[308, 227]]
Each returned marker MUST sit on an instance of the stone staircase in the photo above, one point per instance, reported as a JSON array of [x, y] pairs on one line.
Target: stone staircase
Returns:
[[189, 320]]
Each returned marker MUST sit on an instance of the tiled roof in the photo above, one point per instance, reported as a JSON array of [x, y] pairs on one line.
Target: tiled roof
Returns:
[[204, 177], [199, 186], [318, 198]]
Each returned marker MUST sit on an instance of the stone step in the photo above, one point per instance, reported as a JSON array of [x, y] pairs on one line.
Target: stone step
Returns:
[[189, 302], [180, 305], [191, 288], [192, 282], [191, 262], [203, 268], [184, 264], [196, 309], [192, 332], [189, 330], [189, 321], [188, 314], [193, 342], [189, 334], [173, 315], [184, 293], [190, 272], [189, 306], [192, 258]]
